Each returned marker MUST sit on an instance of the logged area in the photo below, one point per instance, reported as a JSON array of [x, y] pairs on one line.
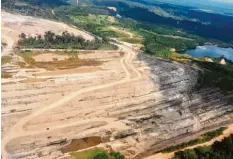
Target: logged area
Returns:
[[57, 101], [13, 25]]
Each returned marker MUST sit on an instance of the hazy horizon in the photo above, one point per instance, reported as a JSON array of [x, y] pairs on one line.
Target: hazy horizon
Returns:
[[215, 5]]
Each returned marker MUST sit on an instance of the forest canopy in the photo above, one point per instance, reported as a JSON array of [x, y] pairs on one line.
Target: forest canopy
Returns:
[[219, 150]]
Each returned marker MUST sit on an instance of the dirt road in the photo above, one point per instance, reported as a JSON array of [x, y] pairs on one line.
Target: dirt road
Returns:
[[10, 42], [225, 133], [125, 64]]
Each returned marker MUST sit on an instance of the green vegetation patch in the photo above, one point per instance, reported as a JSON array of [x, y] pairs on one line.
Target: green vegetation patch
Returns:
[[132, 40], [96, 153], [70, 63], [65, 41], [215, 74], [204, 138], [219, 150], [93, 19], [158, 45]]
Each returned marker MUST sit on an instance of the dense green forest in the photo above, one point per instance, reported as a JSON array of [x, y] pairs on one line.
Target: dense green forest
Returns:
[[36, 8], [65, 41], [219, 150], [79, 16], [215, 75], [208, 25]]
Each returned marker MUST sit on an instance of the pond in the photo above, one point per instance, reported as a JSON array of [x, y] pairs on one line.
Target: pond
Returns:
[[211, 51]]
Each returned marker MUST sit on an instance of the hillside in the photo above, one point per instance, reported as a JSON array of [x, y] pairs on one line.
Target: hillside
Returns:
[[107, 77]]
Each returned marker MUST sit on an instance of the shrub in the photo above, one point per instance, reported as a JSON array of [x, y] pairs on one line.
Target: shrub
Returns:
[[101, 155]]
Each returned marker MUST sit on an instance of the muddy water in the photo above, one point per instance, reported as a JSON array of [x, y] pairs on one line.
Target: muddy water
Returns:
[[79, 144]]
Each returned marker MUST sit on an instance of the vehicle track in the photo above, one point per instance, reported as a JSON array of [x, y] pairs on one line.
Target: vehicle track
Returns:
[[170, 155], [17, 130]]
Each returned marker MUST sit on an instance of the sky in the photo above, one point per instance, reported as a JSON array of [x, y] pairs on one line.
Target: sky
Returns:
[[226, 1]]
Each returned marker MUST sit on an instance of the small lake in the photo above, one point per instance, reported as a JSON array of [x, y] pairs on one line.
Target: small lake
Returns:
[[211, 51]]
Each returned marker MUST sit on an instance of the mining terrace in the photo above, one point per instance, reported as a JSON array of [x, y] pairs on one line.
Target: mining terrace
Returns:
[[121, 100]]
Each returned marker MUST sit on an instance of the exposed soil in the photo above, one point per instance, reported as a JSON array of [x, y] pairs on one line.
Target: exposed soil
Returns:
[[79, 144], [17, 24], [50, 57], [69, 71]]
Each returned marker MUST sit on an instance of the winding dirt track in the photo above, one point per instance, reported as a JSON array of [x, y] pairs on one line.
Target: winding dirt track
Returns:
[[10, 44], [17, 130]]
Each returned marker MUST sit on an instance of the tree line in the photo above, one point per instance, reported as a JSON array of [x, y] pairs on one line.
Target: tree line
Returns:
[[64, 41], [219, 150], [112, 155]]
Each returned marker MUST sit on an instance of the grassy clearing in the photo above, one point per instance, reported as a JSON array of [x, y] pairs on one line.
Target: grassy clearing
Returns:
[[182, 58], [88, 154], [163, 35], [66, 64], [96, 153], [109, 32], [107, 47], [6, 59], [127, 35], [204, 138], [72, 62], [94, 19], [132, 40], [101, 24], [105, 26]]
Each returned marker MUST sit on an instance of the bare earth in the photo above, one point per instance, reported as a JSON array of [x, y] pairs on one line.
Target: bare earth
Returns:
[[13, 25], [130, 102]]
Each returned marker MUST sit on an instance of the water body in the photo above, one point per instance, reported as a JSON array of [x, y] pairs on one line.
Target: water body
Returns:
[[211, 51]]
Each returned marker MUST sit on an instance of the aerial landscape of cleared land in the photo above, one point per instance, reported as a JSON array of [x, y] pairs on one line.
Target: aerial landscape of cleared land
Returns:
[[99, 92]]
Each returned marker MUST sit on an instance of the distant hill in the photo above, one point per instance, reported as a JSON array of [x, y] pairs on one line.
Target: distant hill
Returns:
[[192, 20], [6, 3], [38, 8], [219, 6]]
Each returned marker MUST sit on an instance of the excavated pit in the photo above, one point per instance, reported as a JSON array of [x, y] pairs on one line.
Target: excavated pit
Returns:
[[79, 144]]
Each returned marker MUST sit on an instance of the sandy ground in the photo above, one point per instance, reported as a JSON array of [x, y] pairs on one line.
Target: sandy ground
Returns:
[[30, 125], [69, 71], [13, 25], [50, 57]]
